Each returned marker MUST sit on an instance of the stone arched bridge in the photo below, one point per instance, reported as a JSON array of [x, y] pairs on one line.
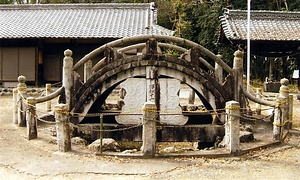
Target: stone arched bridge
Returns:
[[154, 66]]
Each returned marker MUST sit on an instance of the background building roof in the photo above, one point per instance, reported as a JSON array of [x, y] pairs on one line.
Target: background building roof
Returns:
[[264, 26], [107, 20]]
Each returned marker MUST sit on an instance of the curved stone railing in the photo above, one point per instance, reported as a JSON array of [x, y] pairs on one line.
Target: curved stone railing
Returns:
[[257, 100], [137, 39], [51, 96]]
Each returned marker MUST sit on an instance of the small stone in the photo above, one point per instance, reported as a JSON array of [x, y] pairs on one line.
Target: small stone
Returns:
[[107, 144], [52, 131], [246, 127], [78, 141], [169, 150], [191, 107], [129, 151], [246, 136]]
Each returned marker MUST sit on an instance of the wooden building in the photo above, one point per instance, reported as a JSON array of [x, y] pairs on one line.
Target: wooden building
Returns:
[[274, 34], [33, 37]]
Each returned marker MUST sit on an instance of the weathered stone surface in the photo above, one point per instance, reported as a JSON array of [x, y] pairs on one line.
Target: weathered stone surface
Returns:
[[246, 127], [149, 129], [136, 96], [129, 151], [78, 141], [171, 149], [107, 144], [134, 100], [169, 103], [246, 136]]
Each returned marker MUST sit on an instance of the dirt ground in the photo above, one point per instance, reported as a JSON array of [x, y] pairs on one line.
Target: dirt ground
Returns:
[[39, 159]]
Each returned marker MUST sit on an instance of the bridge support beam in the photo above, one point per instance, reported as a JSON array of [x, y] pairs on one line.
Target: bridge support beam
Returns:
[[152, 85]]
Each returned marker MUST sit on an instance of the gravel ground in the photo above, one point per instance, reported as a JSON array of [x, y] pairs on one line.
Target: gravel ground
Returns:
[[39, 159]]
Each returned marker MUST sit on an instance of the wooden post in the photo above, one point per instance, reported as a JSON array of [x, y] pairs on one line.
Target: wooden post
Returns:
[[15, 106], [68, 80], [149, 129], [63, 127], [238, 76], [87, 70], [22, 95], [257, 105], [232, 127], [48, 91], [31, 118]]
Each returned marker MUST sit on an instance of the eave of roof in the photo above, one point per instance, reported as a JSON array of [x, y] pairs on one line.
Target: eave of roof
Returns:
[[264, 25], [104, 20]]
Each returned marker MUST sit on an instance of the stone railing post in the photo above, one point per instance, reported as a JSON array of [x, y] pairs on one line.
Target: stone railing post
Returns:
[[149, 129], [280, 110], [63, 127], [238, 76], [48, 91], [290, 108], [232, 127], [22, 95], [87, 70], [31, 118], [284, 92], [68, 79], [257, 105], [219, 71], [15, 106]]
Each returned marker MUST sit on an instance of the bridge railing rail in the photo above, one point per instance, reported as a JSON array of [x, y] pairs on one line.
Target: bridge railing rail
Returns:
[[25, 108]]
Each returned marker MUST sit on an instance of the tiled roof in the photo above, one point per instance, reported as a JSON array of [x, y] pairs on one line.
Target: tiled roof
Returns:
[[264, 26], [107, 20]]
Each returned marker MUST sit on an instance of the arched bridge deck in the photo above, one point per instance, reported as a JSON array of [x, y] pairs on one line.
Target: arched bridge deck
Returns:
[[189, 66]]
